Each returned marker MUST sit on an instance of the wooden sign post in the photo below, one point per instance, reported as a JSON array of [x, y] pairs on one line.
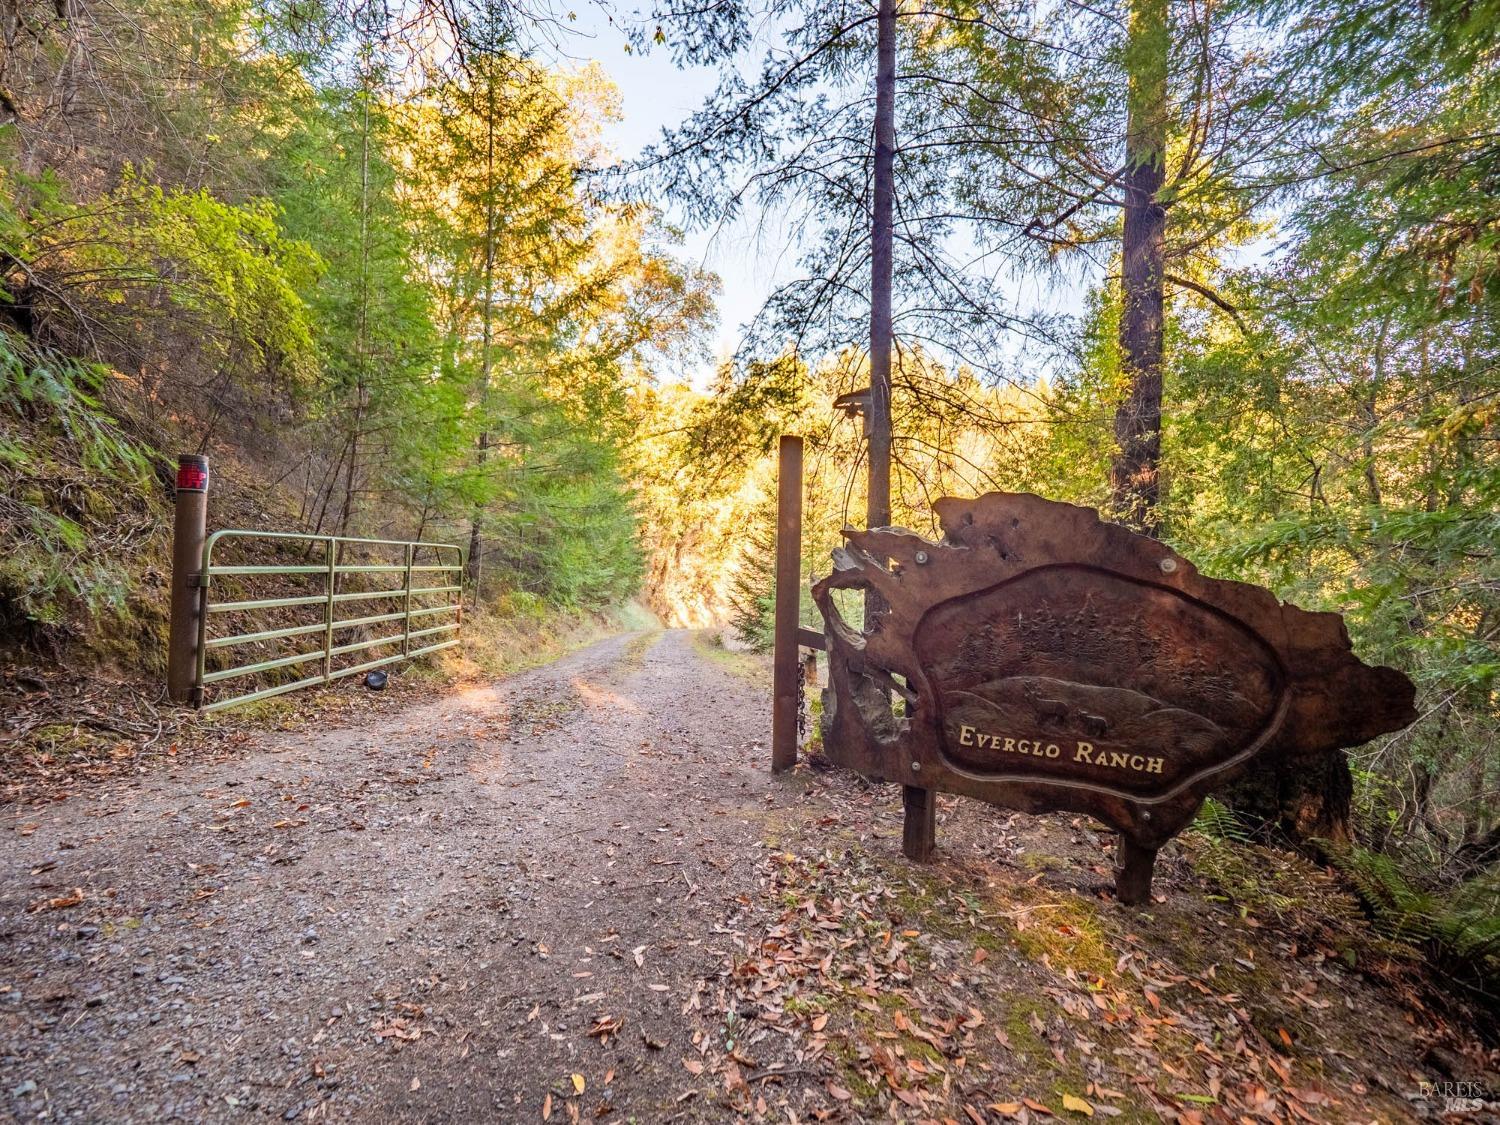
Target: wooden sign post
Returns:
[[788, 597], [1050, 661]]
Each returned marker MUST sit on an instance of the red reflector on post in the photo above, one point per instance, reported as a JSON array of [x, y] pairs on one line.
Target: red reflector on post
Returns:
[[192, 474]]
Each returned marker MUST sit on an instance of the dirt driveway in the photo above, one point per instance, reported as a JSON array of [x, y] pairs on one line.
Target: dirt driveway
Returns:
[[578, 895], [440, 918]]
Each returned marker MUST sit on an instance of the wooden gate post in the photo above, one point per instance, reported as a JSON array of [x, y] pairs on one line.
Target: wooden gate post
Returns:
[[189, 529], [788, 599]]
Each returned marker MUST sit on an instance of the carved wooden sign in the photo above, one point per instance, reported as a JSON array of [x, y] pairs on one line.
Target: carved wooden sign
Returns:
[[1045, 660]]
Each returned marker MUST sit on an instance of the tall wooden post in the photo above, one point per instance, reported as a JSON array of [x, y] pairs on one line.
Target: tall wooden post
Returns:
[[788, 600], [920, 831], [189, 529]]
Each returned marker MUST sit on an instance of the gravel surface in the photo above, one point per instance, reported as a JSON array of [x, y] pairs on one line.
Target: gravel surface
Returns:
[[577, 895], [463, 912]]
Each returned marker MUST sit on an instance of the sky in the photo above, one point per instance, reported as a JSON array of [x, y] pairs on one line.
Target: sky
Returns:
[[747, 255], [752, 254]]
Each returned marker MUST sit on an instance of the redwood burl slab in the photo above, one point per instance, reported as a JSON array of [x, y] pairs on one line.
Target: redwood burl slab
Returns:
[[1042, 659]]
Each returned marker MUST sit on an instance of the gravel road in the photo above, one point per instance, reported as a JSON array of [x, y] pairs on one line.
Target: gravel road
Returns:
[[488, 907]]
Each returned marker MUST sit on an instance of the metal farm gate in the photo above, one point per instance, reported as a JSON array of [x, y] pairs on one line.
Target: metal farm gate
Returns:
[[412, 603], [408, 594]]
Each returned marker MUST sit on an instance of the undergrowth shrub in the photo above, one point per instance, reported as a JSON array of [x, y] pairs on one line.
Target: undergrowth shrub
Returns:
[[1454, 927], [1267, 880], [1459, 925], [76, 495]]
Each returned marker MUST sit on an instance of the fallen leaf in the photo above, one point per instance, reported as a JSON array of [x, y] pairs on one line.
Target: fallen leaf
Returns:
[[837, 1091], [416, 1084], [578, 1083], [547, 1107], [397, 1029], [1077, 1105], [605, 1026], [61, 902], [692, 1066], [1200, 1099]]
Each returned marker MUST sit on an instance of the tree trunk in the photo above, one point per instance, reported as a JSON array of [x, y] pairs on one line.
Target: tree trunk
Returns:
[[351, 478], [919, 803], [882, 257], [1304, 802], [476, 546], [1135, 473]]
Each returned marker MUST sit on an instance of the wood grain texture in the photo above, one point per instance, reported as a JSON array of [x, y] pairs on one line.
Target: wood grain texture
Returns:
[[1042, 659]]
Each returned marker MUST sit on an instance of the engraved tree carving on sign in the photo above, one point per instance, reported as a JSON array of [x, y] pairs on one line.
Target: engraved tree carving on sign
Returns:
[[1044, 659]]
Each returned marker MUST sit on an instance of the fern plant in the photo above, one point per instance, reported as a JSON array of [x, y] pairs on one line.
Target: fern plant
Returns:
[[1218, 821], [1459, 925]]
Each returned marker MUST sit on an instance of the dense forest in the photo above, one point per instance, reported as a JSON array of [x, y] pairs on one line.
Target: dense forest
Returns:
[[356, 254], [1228, 270]]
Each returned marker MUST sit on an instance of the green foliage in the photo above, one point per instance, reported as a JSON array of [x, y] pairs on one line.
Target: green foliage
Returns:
[[1218, 821], [752, 592], [559, 519], [221, 279], [67, 469], [1459, 924]]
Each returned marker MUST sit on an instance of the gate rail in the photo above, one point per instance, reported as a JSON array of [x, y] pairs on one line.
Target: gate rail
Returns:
[[331, 568]]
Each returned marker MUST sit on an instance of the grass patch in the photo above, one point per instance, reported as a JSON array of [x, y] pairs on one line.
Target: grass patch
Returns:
[[515, 633], [1066, 930], [1020, 1030], [751, 666]]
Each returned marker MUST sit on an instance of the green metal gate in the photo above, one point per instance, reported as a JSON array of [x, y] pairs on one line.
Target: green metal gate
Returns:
[[436, 609]]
